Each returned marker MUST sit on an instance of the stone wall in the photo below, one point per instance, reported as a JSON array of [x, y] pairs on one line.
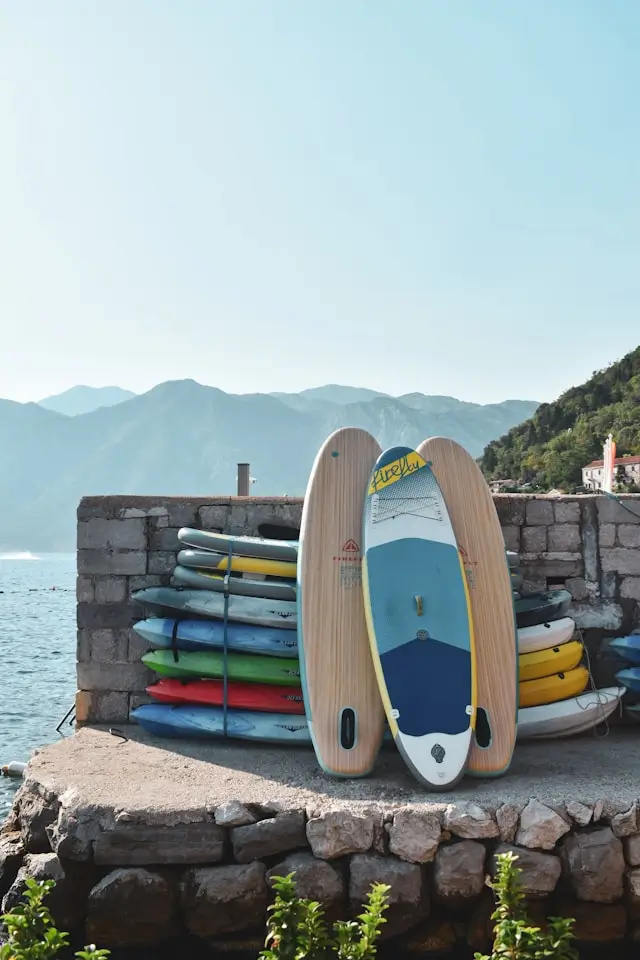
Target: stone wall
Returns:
[[208, 874], [588, 544]]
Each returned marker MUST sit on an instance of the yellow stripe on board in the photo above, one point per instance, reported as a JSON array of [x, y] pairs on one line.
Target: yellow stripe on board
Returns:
[[375, 653], [396, 470], [472, 644]]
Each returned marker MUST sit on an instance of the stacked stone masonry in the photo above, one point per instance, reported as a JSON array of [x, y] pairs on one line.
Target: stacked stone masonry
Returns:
[[588, 544], [208, 874]]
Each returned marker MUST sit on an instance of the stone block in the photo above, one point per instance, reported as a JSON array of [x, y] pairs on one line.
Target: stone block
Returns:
[[566, 511], [414, 836], [107, 616], [336, 833], [84, 589], [540, 827], [609, 511], [138, 700], [607, 535], [111, 589], [237, 520], [37, 811], [233, 814], [632, 850], [625, 824], [458, 874], [269, 837], [97, 707], [577, 587], [622, 560], [534, 540], [606, 615], [507, 817], [408, 896], [511, 535], [162, 562], [629, 535], [133, 844], [99, 534], [12, 851], [66, 901], [540, 871], [539, 513], [214, 517], [602, 923], [632, 885], [595, 865], [219, 900], [165, 540], [103, 646], [125, 562], [471, 822], [182, 513], [580, 812], [146, 580], [136, 647], [315, 880], [564, 538], [131, 908], [510, 510], [630, 588], [125, 677]]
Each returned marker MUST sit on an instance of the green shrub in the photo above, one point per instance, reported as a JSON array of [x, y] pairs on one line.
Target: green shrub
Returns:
[[32, 932], [514, 937]]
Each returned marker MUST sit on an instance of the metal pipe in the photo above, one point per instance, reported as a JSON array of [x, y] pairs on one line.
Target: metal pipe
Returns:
[[243, 479]]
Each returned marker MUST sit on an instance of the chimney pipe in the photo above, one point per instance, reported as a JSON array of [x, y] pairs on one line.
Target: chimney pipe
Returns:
[[243, 479]]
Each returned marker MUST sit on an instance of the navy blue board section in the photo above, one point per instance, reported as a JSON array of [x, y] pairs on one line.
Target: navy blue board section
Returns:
[[419, 618]]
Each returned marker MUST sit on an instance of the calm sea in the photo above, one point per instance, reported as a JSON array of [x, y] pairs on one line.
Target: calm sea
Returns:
[[37, 653]]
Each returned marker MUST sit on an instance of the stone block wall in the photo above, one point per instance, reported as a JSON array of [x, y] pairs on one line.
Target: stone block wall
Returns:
[[588, 544]]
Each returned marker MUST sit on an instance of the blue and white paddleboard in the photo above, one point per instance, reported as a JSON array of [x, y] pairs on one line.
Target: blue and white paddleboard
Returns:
[[162, 633], [164, 720], [207, 603], [419, 618]]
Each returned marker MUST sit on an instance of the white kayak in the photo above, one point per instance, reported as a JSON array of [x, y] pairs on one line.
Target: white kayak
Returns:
[[565, 718], [544, 635]]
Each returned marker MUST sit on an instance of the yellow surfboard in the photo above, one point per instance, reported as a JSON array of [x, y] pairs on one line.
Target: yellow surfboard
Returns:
[[561, 686], [205, 560], [545, 663]]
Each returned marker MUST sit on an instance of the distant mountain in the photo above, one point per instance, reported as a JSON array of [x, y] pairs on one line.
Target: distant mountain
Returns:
[[550, 448], [185, 438], [83, 399]]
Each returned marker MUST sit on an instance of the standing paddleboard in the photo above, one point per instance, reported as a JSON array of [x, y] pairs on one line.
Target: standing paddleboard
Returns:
[[245, 546], [481, 544], [341, 695], [419, 618]]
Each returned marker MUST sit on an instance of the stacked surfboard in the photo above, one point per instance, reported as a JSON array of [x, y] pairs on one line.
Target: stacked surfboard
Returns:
[[227, 657]]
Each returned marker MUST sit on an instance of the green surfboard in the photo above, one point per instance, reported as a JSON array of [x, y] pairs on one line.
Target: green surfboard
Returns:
[[240, 666]]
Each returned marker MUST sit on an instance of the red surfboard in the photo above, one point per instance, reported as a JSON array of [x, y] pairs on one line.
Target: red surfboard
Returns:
[[241, 696]]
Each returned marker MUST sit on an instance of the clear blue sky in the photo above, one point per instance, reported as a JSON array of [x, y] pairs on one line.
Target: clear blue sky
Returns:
[[274, 194]]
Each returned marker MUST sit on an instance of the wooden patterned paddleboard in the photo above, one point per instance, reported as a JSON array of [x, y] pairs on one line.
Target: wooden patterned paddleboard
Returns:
[[477, 529], [341, 696], [419, 618]]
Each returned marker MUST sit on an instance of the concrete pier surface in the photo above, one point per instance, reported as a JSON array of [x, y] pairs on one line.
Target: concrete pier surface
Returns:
[[145, 772]]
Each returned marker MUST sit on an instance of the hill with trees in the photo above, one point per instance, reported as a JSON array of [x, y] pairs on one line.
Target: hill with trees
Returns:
[[550, 449]]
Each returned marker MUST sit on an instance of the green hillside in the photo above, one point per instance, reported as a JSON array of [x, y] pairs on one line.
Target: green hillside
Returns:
[[550, 449]]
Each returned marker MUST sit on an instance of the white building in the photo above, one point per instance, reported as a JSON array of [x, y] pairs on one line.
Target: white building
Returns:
[[626, 470]]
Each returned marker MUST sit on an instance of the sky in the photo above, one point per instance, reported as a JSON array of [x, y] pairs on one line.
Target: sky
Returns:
[[435, 195]]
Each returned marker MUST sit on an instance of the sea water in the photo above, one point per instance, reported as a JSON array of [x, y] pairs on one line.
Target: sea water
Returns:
[[37, 654]]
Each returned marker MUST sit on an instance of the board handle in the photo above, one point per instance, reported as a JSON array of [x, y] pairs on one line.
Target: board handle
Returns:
[[418, 605]]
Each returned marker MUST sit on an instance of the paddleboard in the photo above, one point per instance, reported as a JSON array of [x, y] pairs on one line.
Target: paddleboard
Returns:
[[480, 541], [568, 717], [240, 696], [513, 559], [342, 701], [516, 581], [627, 648], [245, 546], [240, 666], [545, 663], [542, 607], [541, 636], [209, 635], [419, 618], [220, 562], [164, 720], [207, 603], [629, 678], [561, 686], [240, 586]]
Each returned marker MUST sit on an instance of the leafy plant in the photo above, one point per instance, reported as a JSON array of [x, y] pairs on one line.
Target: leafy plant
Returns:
[[514, 937], [297, 928], [32, 933]]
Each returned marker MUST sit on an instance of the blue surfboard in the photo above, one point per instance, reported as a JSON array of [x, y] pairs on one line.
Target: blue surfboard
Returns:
[[165, 632], [164, 720], [419, 618]]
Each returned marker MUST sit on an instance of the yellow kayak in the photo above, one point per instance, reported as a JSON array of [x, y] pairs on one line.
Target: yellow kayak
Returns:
[[218, 562], [544, 663], [561, 686]]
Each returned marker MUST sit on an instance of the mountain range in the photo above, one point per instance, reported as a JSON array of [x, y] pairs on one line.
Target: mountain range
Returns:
[[185, 438]]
